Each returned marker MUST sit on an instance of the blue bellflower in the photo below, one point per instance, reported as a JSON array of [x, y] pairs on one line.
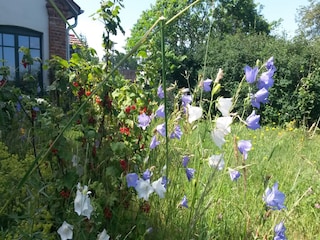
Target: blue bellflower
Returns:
[[234, 174], [186, 99], [274, 198], [244, 147], [259, 97], [279, 231], [251, 73], [190, 173], [161, 129], [252, 121], [184, 202], [266, 81], [207, 85], [146, 175], [160, 111], [160, 92], [177, 133], [144, 121], [185, 161], [154, 142], [132, 179], [270, 65]]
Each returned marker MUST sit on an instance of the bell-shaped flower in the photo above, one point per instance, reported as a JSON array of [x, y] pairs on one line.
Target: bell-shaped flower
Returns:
[[177, 133], [190, 173], [186, 99], [185, 161], [65, 231], [259, 97], [159, 188], [154, 142], [251, 73], [244, 147], [82, 204], [147, 174], [132, 179], [160, 92], [252, 121], [207, 85], [274, 198], [184, 202], [221, 129], [194, 113], [144, 189], [217, 161], [103, 235], [270, 64], [266, 81], [160, 111], [143, 121], [234, 174], [164, 181], [279, 231], [224, 105], [161, 129]]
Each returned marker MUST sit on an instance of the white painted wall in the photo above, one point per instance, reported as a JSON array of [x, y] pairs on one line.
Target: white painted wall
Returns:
[[30, 14]]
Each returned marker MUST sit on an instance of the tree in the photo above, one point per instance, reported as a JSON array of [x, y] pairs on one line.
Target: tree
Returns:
[[308, 19]]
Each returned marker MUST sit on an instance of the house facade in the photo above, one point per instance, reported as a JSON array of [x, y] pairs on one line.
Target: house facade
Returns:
[[36, 25]]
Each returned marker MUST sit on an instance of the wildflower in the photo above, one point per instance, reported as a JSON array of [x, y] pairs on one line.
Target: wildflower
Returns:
[[132, 179], [216, 161], [160, 92], [259, 97], [65, 231], [144, 189], [144, 121], [252, 121], [125, 131], [274, 198], [177, 133], [103, 235], [190, 173], [270, 64], [234, 174], [186, 99], [146, 175], [224, 105], [251, 73], [185, 161], [160, 111], [184, 202], [266, 81], [82, 204], [244, 147], [279, 231], [164, 181], [194, 113], [127, 109], [161, 129], [154, 143], [222, 128], [159, 187], [207, 85]]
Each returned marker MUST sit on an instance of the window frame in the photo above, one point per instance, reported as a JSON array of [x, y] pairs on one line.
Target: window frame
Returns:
[[17, 31]]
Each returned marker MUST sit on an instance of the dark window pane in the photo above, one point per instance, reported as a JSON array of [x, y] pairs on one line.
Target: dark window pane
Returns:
[[0, 39], [23, 41], [8, 40], [1, 57], [34, 42], [8, 55]]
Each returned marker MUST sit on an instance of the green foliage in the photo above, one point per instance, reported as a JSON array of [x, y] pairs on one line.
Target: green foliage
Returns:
[[308, 20]]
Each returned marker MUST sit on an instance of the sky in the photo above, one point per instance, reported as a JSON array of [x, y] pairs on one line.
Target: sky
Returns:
[[273, 10]]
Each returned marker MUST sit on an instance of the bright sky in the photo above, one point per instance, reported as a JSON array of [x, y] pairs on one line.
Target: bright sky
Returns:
[[273, 10]]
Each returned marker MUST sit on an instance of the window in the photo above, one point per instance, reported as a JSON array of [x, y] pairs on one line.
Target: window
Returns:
[[11, 40]]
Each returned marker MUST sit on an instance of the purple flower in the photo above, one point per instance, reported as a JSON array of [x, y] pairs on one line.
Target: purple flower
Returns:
[[259, 97], [270, 65], [253, 121], [244, 147], [186, 99], [161, 128], [146, 175], [279, 231], [144, 121], [164, 181], [160, 111], [207, 85], [154, 143], [36, 109], [234, 174], [177, 133], [274, 198], [251, 73], [190, 173], [18, 107], [160, 92], [184, 202], [266, 81], [132, 179], [185, 161]]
